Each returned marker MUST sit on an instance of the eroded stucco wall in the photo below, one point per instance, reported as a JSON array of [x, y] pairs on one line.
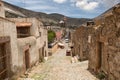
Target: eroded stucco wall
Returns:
[[36, 41], [8, 28]]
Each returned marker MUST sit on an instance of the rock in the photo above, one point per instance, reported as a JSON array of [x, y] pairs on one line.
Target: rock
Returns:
[[45, 58], [72, 60], [75, 59]]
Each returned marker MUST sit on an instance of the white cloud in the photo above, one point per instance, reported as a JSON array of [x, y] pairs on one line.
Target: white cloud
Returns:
[[59, 1], [86, 5], [93, 4], [40, 7]]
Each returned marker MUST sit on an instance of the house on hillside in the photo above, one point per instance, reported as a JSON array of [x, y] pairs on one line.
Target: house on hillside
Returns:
[[31, 40], [20, 48], [23, 44], [59, 35]]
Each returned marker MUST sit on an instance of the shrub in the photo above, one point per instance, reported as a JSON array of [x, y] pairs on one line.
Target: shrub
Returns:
[[101, 75]]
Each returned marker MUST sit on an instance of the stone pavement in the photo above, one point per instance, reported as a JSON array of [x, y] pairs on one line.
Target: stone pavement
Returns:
[[59, 67]]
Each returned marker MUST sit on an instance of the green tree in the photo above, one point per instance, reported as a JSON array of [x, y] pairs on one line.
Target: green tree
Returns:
[[51, 36]]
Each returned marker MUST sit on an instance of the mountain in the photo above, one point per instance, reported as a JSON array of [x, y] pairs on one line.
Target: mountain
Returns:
[[13, 11]]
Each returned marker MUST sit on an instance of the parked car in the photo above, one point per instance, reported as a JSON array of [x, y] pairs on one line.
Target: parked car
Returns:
[[68, 52], [67, 40]]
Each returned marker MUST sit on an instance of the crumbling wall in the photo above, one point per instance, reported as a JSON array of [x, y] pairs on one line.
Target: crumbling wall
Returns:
[[35, 43], [8, 28], [105, 48], [113, 48], [37, 30], [80, 41]]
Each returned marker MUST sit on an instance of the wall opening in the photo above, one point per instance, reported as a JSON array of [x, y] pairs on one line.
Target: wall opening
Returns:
[[23, 29], [99, 54], [4, 58], [23, 32], [40, 55], [27, 59], [43, 52]]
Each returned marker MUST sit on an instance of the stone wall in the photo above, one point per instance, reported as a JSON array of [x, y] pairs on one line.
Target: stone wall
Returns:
[[80, 41], [100, 44], [105, 48]]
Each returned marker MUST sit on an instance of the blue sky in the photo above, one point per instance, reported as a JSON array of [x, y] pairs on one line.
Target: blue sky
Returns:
[[71, 8]]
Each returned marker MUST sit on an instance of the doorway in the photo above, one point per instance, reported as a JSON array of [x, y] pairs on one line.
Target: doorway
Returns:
[[99, 55], [4, 57], [40, 55], [43, 54], [4, 62], [27, 59]]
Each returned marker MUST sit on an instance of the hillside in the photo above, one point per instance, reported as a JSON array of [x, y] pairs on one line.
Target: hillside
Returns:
[[15, 11]]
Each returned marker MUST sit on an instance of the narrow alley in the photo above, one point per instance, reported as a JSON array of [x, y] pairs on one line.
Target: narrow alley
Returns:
[[59, 67], [59, 40]]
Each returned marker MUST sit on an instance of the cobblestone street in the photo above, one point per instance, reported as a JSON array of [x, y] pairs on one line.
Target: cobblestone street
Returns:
[[59, 67]]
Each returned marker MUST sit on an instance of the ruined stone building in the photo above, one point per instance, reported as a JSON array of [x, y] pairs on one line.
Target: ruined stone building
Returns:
[[102, 44], [23, 43], [105, 46], [80, 40]]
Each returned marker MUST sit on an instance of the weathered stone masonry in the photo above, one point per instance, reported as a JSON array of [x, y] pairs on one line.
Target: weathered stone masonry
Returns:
[[80, 40], [103, 44]]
